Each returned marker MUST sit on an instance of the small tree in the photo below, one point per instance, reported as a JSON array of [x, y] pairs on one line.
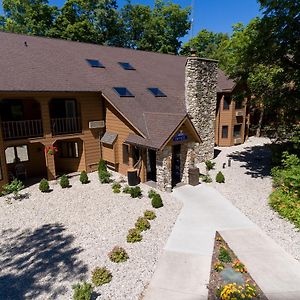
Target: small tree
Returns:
[[156, 201], [44, 186], [84, 179], [64, 181], [220, 177]]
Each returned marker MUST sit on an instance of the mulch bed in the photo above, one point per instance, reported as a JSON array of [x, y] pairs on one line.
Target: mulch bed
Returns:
[[216, 279]]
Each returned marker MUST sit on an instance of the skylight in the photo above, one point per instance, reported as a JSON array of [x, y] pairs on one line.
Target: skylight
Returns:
[[123, 92], [126, 66], [157, 92], [94, 63]]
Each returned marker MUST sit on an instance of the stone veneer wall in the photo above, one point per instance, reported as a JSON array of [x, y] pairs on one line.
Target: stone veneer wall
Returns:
[[187, 160], [164, 168], [200, 100]]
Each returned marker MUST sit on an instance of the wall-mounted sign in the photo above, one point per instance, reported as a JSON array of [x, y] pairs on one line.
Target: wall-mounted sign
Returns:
[[180, 136]]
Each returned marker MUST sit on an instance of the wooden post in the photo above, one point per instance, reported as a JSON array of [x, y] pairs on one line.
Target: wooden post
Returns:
[[50, 164], [3, 166]]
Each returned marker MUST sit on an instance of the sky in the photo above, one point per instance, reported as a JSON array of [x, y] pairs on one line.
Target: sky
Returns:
[[213, 15]]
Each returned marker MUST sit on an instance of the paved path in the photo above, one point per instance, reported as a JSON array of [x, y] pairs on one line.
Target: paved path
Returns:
[[184, 268]]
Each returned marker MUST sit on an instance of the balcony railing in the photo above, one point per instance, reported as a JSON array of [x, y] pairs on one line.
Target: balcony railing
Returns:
[[22, 129], [65, 125]]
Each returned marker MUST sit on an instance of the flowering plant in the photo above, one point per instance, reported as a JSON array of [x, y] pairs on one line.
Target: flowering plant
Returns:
[[239, 267], [218, 266], [232, 291], [51, 150]]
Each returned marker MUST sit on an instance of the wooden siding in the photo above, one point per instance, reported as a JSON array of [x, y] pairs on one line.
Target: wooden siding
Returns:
[[90, 109], [228, 118], [3, 166], [116, 123]]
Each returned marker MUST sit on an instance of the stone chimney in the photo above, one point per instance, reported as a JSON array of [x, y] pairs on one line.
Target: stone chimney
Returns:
[[201, 102]]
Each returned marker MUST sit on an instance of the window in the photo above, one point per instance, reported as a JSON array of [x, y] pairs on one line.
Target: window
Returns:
[[123, 92], [239, 104], [157, 92], [94, 63], [125, 154], [16, 154], [237, 131], [226, 102], [224, 132], [126, 66], [68, 149], [1, 175]]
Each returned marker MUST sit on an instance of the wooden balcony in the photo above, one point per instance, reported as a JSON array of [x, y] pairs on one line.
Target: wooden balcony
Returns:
[[65, 126], [22, 129]]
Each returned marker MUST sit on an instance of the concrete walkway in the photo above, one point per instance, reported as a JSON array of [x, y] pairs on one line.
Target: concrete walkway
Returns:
[[184, 268]]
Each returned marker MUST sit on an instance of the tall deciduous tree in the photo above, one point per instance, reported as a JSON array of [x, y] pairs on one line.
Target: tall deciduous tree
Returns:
[[33, 17]]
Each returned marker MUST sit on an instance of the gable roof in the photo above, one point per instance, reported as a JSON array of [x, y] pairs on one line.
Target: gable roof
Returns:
[[44, 64]]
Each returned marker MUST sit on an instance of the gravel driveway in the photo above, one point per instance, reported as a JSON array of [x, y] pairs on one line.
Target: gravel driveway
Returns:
[[248, 186], [50, 241]]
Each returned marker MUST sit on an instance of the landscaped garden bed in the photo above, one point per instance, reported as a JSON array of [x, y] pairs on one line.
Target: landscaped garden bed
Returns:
[[56, 239], [229, 277]]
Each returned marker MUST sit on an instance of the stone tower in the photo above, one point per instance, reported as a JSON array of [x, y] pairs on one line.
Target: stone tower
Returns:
[[201, 102]]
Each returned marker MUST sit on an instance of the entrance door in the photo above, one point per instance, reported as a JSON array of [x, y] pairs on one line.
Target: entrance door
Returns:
[[176, 165], [151, 165]]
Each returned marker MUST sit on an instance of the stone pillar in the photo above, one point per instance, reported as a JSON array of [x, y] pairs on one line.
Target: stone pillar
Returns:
[[201, 101], [187, 160], [164, 168]]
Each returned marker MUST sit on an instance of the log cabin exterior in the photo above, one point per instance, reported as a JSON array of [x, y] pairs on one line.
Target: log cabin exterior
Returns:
[[94, 102]]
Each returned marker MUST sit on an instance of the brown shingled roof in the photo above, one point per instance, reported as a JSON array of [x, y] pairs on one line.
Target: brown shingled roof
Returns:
[[59, 65]]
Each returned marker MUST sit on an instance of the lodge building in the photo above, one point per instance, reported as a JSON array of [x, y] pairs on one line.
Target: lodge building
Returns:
[[65, 105]]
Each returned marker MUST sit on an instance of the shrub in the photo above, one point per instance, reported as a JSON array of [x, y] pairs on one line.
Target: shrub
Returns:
[[104, 176], [116, 187], [126, 189], [64, 181], [134, 235], [82, 291], [136, 192], [13, 188], [224, 255], [206, 178], [142, 224], [220, 177], [44, 186], [209, 165], [102, 166], [118, 254], [84, 179], [101, 276], [149, 214], [156, 201], [151, 193]]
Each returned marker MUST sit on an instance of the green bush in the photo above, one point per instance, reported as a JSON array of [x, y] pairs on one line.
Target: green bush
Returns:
[[135, 192], [82, 291], [104, 176], [118, 254], [220, 177], [206, 178], [64, 181], [151, 193], [13, 188], [44, 186], [126, 189], [224, 255], [149, 214], [84, 179], [142, 224], [156, 201], [101, 276], [102, 166], [116, 187], [134, 235], [209, 165]]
